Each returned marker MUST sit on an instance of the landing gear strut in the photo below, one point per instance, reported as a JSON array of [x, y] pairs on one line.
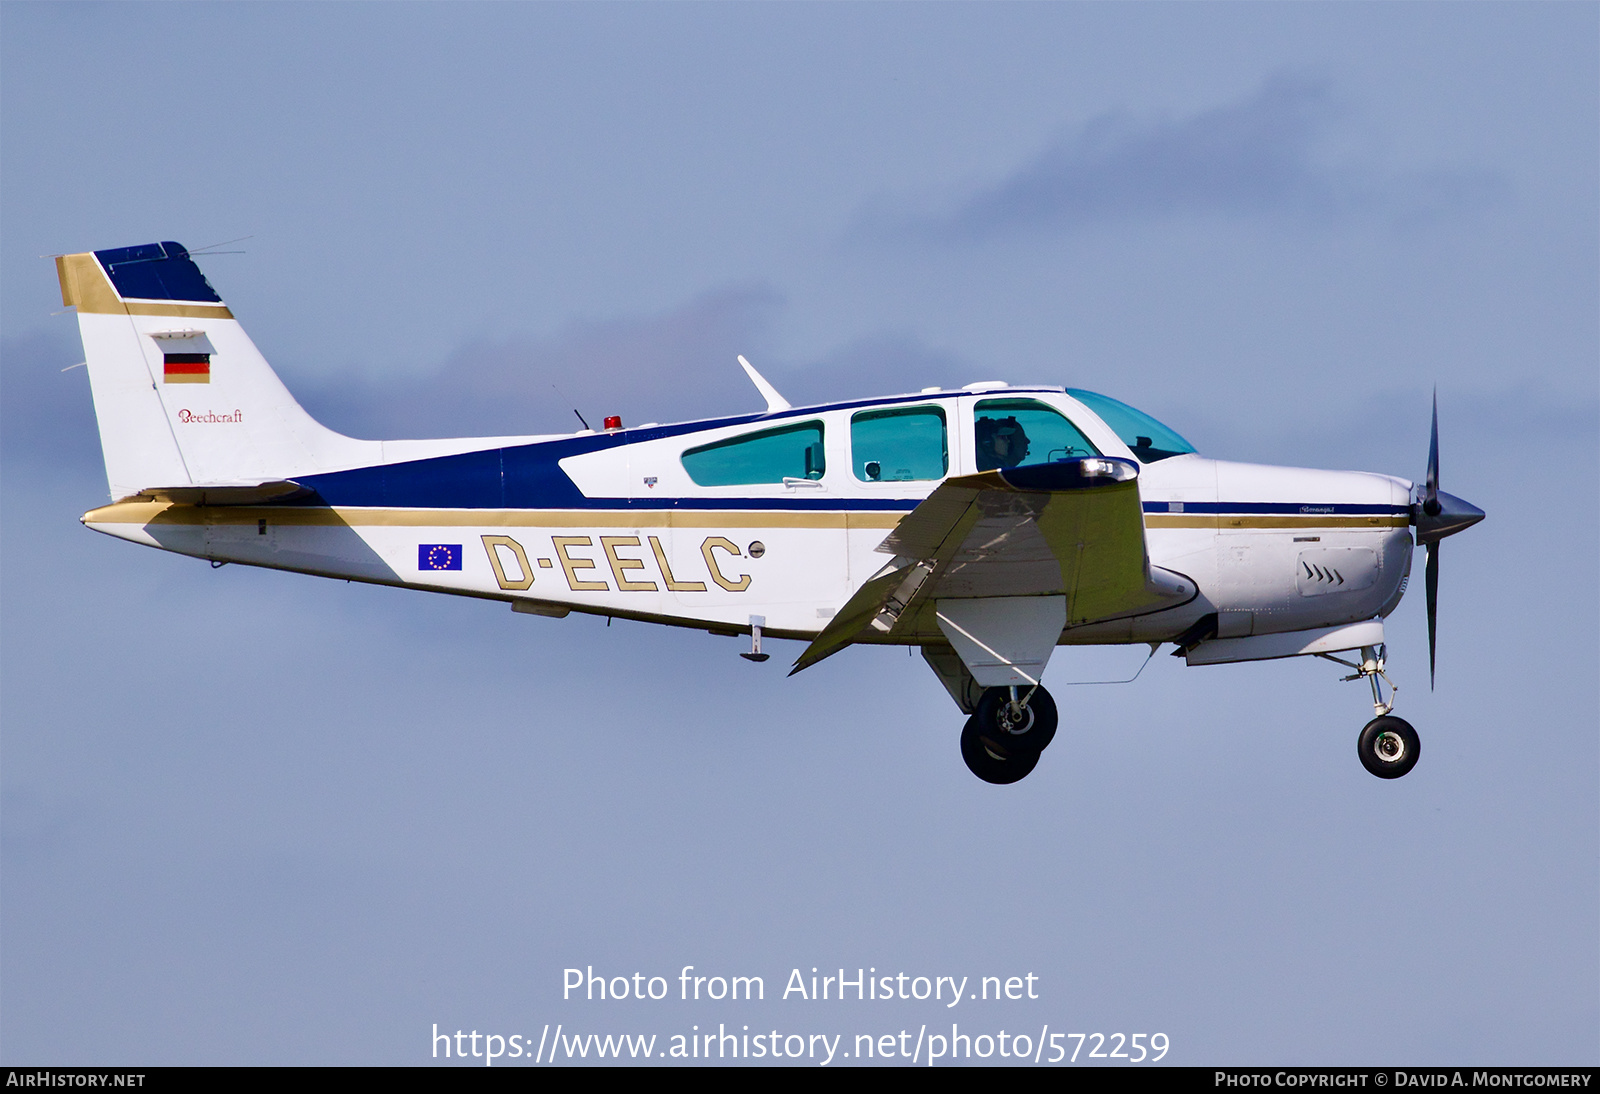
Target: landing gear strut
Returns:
[[1388, 746], [1002, 740]]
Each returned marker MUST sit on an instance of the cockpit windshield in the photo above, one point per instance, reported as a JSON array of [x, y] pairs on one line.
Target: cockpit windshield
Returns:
[[1148, 438]]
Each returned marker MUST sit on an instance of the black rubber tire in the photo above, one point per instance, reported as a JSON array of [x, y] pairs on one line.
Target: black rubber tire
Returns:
[[989, 766], [1389, 747], [1036, 732]]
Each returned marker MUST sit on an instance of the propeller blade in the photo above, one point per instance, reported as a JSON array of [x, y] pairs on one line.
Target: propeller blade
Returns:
[[1431, 580], [1430, 495], [1436, 515]]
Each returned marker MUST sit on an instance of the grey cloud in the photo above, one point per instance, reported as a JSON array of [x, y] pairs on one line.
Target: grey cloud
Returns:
[[670, 366], [673, 366], [665, 367], [886, 364], [1261, 156]]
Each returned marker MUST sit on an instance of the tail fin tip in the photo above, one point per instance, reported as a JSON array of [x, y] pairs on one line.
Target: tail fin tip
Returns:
[[160, 275]]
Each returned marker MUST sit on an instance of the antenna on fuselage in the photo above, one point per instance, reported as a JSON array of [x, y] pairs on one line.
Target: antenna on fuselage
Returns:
[[564, 399], [775, 402]]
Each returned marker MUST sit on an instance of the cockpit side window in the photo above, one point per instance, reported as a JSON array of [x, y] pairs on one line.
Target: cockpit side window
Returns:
[[1025, 433], [1147, 438], [793, 452], [906, 444]]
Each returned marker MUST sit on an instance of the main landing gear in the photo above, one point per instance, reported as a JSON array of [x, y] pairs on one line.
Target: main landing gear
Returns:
[[1006, 733], [1388, 747]]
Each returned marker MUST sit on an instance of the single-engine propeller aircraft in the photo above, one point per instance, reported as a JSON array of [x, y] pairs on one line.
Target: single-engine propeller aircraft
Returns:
[[1014, 519]]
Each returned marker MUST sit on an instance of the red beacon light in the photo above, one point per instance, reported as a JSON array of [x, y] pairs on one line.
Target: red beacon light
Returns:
[[613, 421]]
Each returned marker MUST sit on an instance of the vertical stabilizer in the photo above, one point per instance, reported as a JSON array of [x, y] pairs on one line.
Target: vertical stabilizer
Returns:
[[181, 394]]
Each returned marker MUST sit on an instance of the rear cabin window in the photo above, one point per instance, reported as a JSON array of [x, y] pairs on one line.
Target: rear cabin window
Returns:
[[793, 452], [907, 444], [1024, 433]]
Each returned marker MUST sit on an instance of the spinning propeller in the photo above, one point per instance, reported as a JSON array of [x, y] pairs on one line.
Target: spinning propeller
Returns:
[[1436, 515]]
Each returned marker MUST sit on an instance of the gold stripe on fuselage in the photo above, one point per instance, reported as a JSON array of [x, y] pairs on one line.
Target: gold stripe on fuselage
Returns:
[[162, 512]]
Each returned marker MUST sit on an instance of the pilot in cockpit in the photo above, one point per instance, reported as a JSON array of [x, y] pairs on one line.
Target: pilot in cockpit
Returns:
[[1001, 442]]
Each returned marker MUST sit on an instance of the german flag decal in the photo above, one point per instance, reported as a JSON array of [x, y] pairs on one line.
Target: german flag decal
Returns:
[[187, 368]]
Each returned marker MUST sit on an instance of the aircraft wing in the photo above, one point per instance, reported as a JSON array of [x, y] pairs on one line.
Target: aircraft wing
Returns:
[[1072, 529]]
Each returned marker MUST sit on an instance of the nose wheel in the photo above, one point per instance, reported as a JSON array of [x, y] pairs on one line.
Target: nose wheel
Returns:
[[1389, 747], [1011, 726]]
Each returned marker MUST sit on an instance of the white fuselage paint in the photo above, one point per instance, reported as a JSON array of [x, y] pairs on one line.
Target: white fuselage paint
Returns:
[[1281, 559]]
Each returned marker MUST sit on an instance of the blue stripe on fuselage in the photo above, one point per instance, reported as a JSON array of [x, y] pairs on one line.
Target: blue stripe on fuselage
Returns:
[[524, 477], [1276, 508], [529, 476]]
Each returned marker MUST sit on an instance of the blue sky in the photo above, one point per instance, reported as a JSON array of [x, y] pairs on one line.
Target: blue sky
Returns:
[[253, 817]]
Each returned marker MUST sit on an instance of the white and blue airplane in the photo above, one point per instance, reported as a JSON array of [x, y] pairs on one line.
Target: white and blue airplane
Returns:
[[986, 525]]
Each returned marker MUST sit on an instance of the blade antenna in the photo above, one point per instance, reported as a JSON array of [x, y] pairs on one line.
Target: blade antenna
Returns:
[[775, 402]]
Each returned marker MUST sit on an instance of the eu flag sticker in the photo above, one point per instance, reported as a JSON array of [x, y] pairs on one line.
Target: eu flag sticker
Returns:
[[439, 556]]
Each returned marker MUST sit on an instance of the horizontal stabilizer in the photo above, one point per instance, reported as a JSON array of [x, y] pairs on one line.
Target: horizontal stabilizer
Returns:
[[224, 493]]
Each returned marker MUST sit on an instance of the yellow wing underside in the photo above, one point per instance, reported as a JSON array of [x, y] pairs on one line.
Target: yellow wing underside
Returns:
[[981, 536]]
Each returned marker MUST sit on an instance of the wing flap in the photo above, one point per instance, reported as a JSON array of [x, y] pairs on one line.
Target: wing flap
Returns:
[[866, 607], [1071, 529]]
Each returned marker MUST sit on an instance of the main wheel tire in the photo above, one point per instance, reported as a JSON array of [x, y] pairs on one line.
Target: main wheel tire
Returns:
[[1389, 747], [1027, 737], [989, 765]]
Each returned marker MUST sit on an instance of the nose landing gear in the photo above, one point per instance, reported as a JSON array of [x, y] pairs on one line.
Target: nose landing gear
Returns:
[[1011, 726], [1388, 746]]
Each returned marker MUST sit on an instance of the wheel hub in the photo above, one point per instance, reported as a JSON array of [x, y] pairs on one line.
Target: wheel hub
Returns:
[[1390, 747], [1015, 718]]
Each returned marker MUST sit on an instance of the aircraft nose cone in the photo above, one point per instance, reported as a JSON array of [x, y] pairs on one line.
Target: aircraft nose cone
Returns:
[[1453, 516]]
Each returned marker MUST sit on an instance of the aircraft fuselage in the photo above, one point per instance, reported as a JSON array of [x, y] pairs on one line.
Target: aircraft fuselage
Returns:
[[612, 524]]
